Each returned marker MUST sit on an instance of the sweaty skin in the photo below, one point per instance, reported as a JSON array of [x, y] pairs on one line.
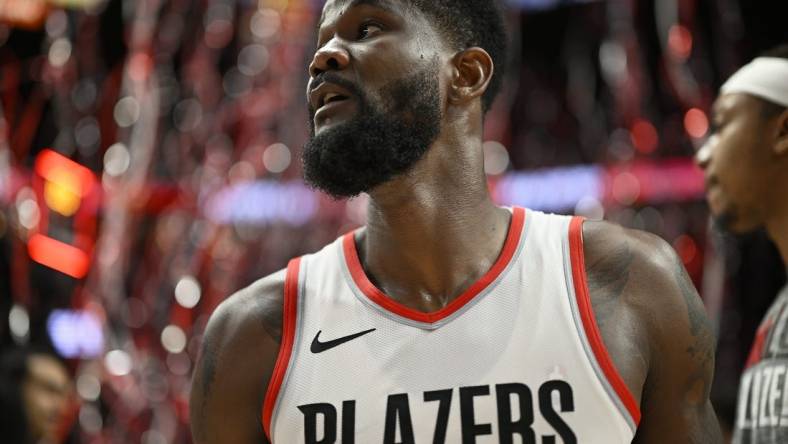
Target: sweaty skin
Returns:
[[434, 230]]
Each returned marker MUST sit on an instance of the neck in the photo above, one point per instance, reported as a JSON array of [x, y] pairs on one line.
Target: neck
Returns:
[[434, 231], [777, 228]]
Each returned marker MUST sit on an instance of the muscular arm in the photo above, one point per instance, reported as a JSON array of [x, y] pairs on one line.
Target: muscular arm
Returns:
[[656, 329], [236, 361]]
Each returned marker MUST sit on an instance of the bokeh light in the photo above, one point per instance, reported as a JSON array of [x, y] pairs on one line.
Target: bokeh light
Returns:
[[116, 160], [118, 363], [644, 136], [173, 339], [188, 292], [28, 212], [696, 123], [277, 158], [59, 52], [496, 158], [127, 111], [680, 41], [19, 322], [88, 387], [626, 188], [76, 333]]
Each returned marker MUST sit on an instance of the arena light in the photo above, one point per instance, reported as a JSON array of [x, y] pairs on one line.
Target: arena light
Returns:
[[672, 180], [263, 202], [29, 14], [65, 181], [552, 189], [76, 333], [644, 136], [696, 123], [57, 255], [543, 5], [76, 4], [63, 193], [680, 41]]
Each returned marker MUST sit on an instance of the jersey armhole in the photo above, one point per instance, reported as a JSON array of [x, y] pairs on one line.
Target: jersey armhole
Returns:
[[289, 314], [590, 326]]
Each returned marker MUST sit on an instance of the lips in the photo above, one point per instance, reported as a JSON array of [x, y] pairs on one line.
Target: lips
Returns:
[[331, 103], [332, 112], [327, 94], [332, 98]]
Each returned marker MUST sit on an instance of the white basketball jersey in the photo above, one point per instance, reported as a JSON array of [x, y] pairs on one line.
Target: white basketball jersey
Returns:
[[517, 357]]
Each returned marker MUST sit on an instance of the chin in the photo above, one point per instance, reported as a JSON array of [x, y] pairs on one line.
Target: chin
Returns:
[[732, 223]]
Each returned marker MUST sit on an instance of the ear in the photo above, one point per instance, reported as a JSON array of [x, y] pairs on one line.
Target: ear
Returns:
[[473, 70], [781, 145]]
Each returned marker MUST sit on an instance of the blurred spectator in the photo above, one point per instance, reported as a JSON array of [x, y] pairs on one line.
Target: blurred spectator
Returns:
[[34, 397]]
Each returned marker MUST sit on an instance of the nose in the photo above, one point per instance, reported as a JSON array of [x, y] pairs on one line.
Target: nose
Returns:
[[703, 156], [332, 56]]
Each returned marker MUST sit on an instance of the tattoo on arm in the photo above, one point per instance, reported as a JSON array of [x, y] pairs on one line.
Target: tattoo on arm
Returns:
[[208, 368], [702, 349], [271, 321], [202, 381], [607, 278]]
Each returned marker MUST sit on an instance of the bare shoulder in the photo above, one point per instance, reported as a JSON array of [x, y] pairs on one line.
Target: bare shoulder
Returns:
[[644, 270], [258, 306], [239, 350], [656, 328]]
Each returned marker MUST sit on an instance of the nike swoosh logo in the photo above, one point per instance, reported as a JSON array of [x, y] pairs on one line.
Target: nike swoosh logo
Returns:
[[320, 347]]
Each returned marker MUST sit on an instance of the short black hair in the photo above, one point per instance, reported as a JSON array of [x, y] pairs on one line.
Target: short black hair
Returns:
[[472, 23], [771, 109]]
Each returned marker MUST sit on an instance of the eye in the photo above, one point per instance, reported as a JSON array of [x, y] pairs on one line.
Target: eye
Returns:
[[715, 126], [368, 29]]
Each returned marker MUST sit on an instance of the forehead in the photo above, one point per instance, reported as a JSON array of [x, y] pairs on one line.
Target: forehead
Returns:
[[735, 103], [47, 369], [335, 8]]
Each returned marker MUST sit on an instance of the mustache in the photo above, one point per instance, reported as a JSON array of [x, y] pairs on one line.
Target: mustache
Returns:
[[336, 79]]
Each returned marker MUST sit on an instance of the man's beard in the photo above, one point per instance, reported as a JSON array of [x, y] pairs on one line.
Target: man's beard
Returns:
[[378, 143], [725, 222]]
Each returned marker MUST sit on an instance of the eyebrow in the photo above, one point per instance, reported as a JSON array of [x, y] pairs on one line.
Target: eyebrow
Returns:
[[380, 4], [719, 109]]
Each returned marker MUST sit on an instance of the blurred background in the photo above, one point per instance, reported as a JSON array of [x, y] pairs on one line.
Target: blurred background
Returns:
[[150, 167]]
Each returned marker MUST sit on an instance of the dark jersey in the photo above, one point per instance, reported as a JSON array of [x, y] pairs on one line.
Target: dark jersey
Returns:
[[762, 413]]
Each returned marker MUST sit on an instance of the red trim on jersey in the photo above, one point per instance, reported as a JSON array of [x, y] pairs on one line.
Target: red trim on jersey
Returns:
[[289, 314], [378, 297], [589, 320], [756, 352]]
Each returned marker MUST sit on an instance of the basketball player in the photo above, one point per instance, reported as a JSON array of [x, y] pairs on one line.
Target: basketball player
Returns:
[[746, 166], [447, 319]]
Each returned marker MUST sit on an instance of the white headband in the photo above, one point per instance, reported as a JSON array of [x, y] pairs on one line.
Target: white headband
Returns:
[[764, 77]]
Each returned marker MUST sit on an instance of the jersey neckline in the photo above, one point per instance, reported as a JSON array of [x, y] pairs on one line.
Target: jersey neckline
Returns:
[[379, 298]]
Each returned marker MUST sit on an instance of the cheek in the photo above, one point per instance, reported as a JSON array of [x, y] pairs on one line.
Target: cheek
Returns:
[[735, 161], [385, 59], [35, 408], [388, 60]]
